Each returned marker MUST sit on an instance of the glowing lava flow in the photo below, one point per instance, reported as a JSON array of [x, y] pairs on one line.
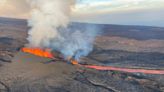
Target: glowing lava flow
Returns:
[[125, 69], [74, 62], [109, 68], [48, 54], [38, 52]]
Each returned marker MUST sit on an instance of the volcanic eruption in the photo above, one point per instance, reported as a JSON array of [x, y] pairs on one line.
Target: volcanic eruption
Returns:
[[49, 29], [50, 32], [38, 52]]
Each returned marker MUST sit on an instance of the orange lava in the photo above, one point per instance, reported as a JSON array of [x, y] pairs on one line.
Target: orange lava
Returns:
[[125, 69], [38, 52], [47, 53], [74, 62]]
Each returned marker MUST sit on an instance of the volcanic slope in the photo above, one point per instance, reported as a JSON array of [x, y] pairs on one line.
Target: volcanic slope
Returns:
[[23, 72], [29, 73]]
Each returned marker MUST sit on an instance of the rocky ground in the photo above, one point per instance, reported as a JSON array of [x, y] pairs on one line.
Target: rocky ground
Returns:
[[22, 72]]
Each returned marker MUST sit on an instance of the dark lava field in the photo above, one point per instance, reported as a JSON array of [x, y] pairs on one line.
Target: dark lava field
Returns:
[[117, 45]]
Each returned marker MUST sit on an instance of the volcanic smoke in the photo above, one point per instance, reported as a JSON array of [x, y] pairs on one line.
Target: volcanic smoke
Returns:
[[49, 29]]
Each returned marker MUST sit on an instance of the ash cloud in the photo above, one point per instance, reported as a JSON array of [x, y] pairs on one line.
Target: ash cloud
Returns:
[[49, 29]]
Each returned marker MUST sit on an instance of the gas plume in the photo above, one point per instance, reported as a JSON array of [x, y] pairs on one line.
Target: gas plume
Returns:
[[49, 29]]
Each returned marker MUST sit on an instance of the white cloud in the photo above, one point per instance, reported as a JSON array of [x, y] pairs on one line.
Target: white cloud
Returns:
[[137, 12], [14, 8], [116, 5], [2, 2], [93, 10]]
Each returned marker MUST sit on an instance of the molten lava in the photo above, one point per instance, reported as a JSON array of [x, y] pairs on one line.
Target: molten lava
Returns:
[[47, 53], [145, 71], [74, 62], [38, 52]]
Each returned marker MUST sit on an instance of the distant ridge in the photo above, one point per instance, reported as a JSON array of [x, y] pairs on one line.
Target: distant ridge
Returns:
[[127, 31], [12, 21]]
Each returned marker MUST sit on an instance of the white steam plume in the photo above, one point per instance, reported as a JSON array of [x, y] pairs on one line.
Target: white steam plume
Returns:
[[46, 17], [48, 22]]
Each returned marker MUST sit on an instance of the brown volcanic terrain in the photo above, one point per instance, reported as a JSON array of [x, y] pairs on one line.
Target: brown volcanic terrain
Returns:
[[123, 46], [120, 43]]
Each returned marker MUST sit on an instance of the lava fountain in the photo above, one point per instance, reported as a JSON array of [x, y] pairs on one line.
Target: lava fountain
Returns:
[[47, 53], [38, 52]]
